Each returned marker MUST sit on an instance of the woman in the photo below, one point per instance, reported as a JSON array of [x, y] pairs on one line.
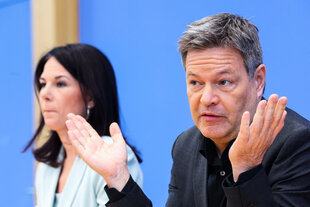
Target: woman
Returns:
[[79, 79]]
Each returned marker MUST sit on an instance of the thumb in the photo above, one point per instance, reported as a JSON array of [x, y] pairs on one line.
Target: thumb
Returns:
[[115, 131]]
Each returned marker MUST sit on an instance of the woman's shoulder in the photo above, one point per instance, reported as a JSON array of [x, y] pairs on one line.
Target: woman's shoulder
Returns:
[[43, 168]]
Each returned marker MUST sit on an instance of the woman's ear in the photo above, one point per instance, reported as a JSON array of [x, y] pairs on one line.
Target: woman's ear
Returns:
[[90, 101], [90, 104], [259, 78]]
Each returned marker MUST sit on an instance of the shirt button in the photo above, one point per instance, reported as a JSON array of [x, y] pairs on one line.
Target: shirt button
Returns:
[[222, 173]]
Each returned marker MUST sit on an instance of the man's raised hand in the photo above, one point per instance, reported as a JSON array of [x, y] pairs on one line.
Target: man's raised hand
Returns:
[[107, 158], [255, 138]]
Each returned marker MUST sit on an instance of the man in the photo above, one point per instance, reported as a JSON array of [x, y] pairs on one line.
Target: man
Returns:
[[240, 152]]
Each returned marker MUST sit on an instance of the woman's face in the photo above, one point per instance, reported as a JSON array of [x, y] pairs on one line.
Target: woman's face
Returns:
[[60, 94]]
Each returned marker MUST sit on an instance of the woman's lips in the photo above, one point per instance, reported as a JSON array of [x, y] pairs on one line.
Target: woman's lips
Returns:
[[48, 111]]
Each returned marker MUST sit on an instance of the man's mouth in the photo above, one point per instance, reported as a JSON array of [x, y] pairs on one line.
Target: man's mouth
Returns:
[[211, 116]]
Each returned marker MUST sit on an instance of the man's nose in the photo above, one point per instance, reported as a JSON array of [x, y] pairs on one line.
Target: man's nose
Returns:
[[209, 96]]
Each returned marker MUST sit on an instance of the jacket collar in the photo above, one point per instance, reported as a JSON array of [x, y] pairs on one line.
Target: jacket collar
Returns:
[[72, 184], [200, 174]]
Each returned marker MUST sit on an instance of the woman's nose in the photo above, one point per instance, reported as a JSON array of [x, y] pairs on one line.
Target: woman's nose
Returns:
[[46, 93]]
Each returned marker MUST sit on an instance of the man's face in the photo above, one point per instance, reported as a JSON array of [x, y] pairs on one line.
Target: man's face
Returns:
[[219, 91]]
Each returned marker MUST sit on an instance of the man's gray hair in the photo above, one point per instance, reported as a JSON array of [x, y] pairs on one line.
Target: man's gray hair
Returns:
[[224, 30]]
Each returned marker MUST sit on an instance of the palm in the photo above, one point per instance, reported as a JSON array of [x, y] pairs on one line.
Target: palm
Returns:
[[101, 155], [254, 139]]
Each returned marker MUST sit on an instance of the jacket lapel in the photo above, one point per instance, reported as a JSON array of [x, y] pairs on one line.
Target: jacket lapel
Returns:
[[51, 184], [73, 182], [200, 176]]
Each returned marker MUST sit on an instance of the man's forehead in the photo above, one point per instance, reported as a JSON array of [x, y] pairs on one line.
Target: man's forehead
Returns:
[[224, 60]]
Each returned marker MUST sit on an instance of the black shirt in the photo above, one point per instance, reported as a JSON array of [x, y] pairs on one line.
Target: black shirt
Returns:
[[218, 169], [219, 175]]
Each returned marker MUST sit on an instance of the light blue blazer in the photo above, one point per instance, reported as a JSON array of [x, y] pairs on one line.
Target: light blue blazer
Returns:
[[84, 187]]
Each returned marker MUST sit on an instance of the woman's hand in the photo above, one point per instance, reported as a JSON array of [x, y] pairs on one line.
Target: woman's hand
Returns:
[[109, 159]]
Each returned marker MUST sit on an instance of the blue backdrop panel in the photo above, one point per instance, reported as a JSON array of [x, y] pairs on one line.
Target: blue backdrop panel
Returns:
[[140, 39], [16, 175]]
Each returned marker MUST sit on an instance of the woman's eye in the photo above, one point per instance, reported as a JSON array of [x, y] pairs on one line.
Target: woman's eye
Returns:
[[61, 84], [41, 85]]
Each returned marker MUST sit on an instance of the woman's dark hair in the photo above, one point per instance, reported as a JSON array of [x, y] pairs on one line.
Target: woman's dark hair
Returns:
[[94, 72]]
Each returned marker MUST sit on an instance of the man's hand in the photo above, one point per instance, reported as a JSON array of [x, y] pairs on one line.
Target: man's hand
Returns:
[[254, 139], [109, 159]]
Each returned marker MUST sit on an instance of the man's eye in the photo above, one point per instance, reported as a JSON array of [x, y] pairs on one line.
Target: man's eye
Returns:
[[61, 84], [224, 82], [194, 83]]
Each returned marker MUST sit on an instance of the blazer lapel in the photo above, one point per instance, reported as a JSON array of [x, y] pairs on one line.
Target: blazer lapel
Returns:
[[73, 182], [51, 184], [200, 176]]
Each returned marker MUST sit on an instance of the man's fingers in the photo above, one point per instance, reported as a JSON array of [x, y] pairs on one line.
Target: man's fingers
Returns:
[[70, 123], [258, 119], [115, 132], [83, 128], [270, 110], [75, 142], [280, 124], [244, 132], [114, 129], [279, 110], [87, 127]]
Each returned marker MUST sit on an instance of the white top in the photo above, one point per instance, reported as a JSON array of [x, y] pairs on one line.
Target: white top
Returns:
[[84, 187], [57, 198]]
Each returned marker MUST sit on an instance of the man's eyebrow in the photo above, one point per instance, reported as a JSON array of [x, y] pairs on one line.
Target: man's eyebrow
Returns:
[[191, 74], [220, 72], [225, 71]]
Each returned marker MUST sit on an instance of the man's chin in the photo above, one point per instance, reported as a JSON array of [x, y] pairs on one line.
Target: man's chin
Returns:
[[214, 132]]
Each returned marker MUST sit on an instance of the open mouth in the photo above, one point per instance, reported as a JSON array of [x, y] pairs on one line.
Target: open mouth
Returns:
[[211, 116]]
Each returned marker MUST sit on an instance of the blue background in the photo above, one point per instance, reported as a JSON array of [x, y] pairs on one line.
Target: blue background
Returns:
[[16, 174], [140, 38]]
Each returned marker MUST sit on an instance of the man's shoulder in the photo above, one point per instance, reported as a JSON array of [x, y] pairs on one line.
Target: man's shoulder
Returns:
[[295, 123], [189, 134], [292, 144], [296, 130], [188, 139]]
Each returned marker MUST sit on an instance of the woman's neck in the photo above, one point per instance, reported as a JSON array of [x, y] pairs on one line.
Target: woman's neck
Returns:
[[70, 152]]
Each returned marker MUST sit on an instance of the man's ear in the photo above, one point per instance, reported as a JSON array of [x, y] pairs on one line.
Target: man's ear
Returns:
[[259, 78]]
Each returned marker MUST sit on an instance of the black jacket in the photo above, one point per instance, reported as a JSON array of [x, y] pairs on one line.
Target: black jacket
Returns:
[[282, 180]]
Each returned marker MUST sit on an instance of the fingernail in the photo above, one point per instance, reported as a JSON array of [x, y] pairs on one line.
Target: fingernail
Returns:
[[284, 100], [68, 123]]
